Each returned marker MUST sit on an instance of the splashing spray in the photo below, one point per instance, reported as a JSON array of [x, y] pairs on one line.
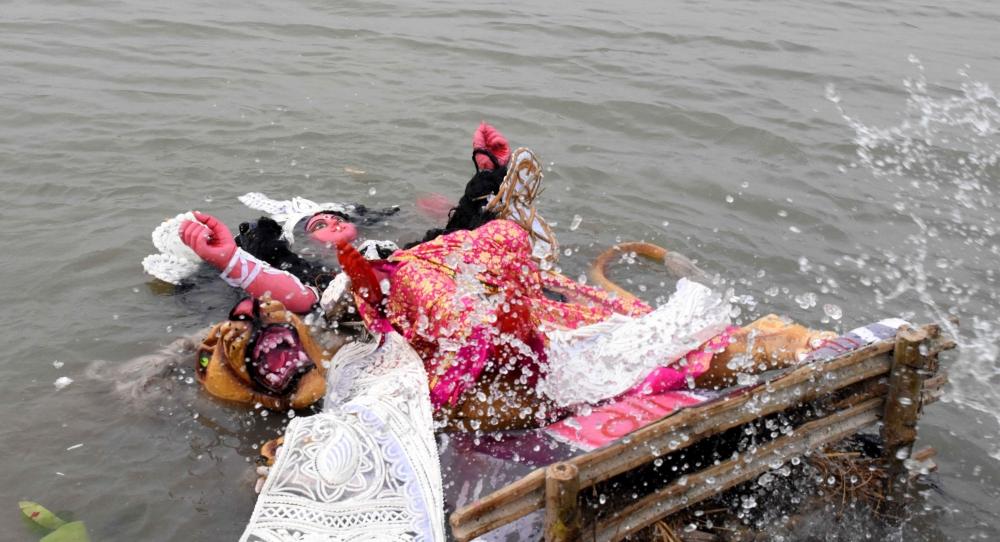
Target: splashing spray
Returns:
[[942, 161]]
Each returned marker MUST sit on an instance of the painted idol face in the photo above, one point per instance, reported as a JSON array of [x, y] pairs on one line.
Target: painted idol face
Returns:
[[331, 229]]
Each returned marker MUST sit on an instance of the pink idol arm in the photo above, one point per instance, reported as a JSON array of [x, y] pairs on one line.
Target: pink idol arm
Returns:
[[260, 280], [214, 243]]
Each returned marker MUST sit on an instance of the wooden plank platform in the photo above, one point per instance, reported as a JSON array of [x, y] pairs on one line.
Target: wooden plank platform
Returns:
[[855, 384]]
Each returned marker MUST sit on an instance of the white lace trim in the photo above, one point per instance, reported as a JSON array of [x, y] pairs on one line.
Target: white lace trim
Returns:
[[367, 467], [602, 360], [175, 260], [335, 291], [370, 248]]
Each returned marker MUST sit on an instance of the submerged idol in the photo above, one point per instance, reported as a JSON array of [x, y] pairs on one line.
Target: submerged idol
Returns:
[[506, 341]]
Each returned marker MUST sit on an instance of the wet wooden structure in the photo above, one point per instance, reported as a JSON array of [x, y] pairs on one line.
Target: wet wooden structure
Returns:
[[884, 384]]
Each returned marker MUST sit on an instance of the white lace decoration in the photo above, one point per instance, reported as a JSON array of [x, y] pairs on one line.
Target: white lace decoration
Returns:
[[602, 360], [366, 468], [288, 213], [370, 248], [335, 291], [175, 260]]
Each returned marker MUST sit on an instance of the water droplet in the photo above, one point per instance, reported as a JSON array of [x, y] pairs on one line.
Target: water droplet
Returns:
[[831, 93], [806, 300], [372, 191], [62, 382], [577, 219]]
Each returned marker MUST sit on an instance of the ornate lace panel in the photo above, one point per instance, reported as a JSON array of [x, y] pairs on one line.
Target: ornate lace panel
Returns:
[[366, 468]]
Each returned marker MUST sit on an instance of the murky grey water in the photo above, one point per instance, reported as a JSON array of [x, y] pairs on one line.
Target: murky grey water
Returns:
[[704, 126]]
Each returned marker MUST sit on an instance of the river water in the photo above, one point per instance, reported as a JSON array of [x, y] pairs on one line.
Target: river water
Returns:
[[832, 161]]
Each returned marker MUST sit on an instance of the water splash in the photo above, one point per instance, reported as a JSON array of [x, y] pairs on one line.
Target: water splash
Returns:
[[941, 164]]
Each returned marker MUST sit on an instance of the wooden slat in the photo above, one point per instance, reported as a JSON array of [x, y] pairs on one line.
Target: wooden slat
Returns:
[[693, 425], [695, 488], [676, 432], [562, 511], [501, 507], [902, 406], [934, 388]]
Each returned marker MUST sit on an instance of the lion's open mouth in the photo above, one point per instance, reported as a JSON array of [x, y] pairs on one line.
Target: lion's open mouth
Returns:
[[277, 358]]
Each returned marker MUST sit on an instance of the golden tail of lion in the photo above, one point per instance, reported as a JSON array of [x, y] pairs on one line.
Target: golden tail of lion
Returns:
[[675, 262]]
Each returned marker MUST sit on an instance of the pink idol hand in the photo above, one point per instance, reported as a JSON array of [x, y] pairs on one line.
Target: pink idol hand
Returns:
[[489, 138], [435, 207], [210, 239]]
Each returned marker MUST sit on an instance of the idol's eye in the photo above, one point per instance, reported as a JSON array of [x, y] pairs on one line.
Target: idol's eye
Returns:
[[318, 225], [203, 359]]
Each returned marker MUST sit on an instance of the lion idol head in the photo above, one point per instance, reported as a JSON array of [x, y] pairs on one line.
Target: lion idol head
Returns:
[[263, 354]]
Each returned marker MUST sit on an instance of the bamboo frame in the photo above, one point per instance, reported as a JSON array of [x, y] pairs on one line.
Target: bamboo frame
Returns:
[[902, 404], [674, 433], [862, 371], [562, 513], [678, 496]]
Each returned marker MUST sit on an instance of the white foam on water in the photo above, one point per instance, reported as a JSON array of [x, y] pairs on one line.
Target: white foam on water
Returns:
[[942, 160]]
